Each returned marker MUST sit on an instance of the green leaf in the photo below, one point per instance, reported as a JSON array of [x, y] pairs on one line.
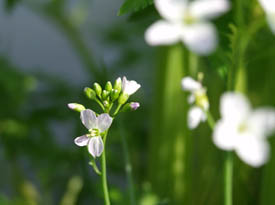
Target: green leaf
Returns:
[[133, 6]]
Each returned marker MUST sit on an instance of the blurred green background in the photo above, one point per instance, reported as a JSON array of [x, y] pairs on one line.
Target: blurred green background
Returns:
[[51, 49]]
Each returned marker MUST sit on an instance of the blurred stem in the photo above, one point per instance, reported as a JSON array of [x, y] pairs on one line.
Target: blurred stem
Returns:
[[210, 120], [104, 173], [193, 64], [128, 166], [228, 175]]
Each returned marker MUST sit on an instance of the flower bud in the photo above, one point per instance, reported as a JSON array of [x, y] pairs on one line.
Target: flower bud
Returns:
[[106, 103], [130, 107], [105, 94], [108, 86], [123, 98], [118, 85], [90, 93], [114, 94], [98, 89], [77, 107]]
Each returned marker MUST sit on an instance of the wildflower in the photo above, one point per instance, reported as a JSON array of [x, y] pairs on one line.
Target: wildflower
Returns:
[[243, 129], [269, 8], [187, 22], [96, 126], [198, 97], [76, 107], [129, 87]]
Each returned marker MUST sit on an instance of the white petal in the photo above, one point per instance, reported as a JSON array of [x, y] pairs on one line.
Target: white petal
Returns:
[[191, 98], [104, 121], [190, 84], [129, 87], [88, 118], [225, 135], [195, 116], [95, 146], [234, 107], [271, 21], [262, 122], [162, 33], [81, 141], [203, 9], [252, 150], [268, 5], [200, 37], [172, 10]]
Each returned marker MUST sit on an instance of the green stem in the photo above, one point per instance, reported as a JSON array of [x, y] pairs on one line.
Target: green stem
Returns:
[[100, 104], [193, 64], [104, 174], [210, 120], [117, 109], [228, 175]]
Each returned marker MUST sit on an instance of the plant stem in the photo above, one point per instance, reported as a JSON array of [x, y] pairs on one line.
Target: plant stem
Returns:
[[228, 175], [104, 174], [117, 109], [210, 120]]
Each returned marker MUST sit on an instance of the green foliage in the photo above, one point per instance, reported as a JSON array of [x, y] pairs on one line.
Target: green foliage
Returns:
[[130, 6]]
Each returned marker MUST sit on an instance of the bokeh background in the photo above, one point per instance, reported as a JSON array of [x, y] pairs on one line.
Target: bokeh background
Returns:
[[51, 49]]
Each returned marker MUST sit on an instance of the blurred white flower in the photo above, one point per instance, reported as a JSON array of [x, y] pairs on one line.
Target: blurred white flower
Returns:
[[95, 125], [187, 22], [198, 97], [269, 8], [243, 129], [129, 87]]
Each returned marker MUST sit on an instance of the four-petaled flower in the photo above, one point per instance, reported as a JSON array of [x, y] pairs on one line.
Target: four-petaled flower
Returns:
[[269, 8], [243, 129], [129, 87], [187, 22], [96, 126], [198, 97]]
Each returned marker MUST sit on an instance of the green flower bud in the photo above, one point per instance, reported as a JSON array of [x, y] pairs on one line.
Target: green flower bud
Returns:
[[132, 106], [90, 93], [105, 94], [76, 107], [98, 89], [108, 86], [118, 85], [123, 98], [114, 94], [106, 103]]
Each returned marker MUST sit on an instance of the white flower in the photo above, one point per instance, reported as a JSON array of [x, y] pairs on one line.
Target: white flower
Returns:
[[269, 8], [95, 125], [187, 22], [129, 87], [198, 97], [243, 129]]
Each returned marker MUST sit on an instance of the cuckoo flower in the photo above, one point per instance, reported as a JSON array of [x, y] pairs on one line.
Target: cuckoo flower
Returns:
[[197, 99], [187, 21], [96, 126], [269, 8], [129, 87], [243, 129]]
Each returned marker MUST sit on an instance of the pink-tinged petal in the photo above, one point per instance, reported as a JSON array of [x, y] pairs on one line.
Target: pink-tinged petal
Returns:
[[95, 146], [172, 10], [200, 38], [253, 150], [104, 122], [205, 9], [88, 119], [81, 141], [162, 33]]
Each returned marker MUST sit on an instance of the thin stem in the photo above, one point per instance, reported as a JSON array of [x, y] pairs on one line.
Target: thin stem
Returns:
[[100, 104], [104, 174], [193, 64], [210, 120], [117, 109], [228, 175], [128, 167]]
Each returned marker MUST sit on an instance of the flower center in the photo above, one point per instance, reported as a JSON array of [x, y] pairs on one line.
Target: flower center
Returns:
[[188, 18], [94, 132], [201, 99], [242, 127]]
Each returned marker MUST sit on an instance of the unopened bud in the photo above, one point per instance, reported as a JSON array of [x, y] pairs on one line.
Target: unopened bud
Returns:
[[108, 86], [106, 103], [98, 89], [114, 94], [77, 107], [123, 98], [130, 107], [105, 94], [118, 85], [90, 93]]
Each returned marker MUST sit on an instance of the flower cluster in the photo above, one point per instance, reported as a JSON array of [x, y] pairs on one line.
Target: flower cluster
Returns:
[[98, 124], [198, 99], [187, 21]]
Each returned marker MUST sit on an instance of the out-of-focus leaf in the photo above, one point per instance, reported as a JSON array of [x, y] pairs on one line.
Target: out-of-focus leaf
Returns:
[[10, 4], [133, 6]]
